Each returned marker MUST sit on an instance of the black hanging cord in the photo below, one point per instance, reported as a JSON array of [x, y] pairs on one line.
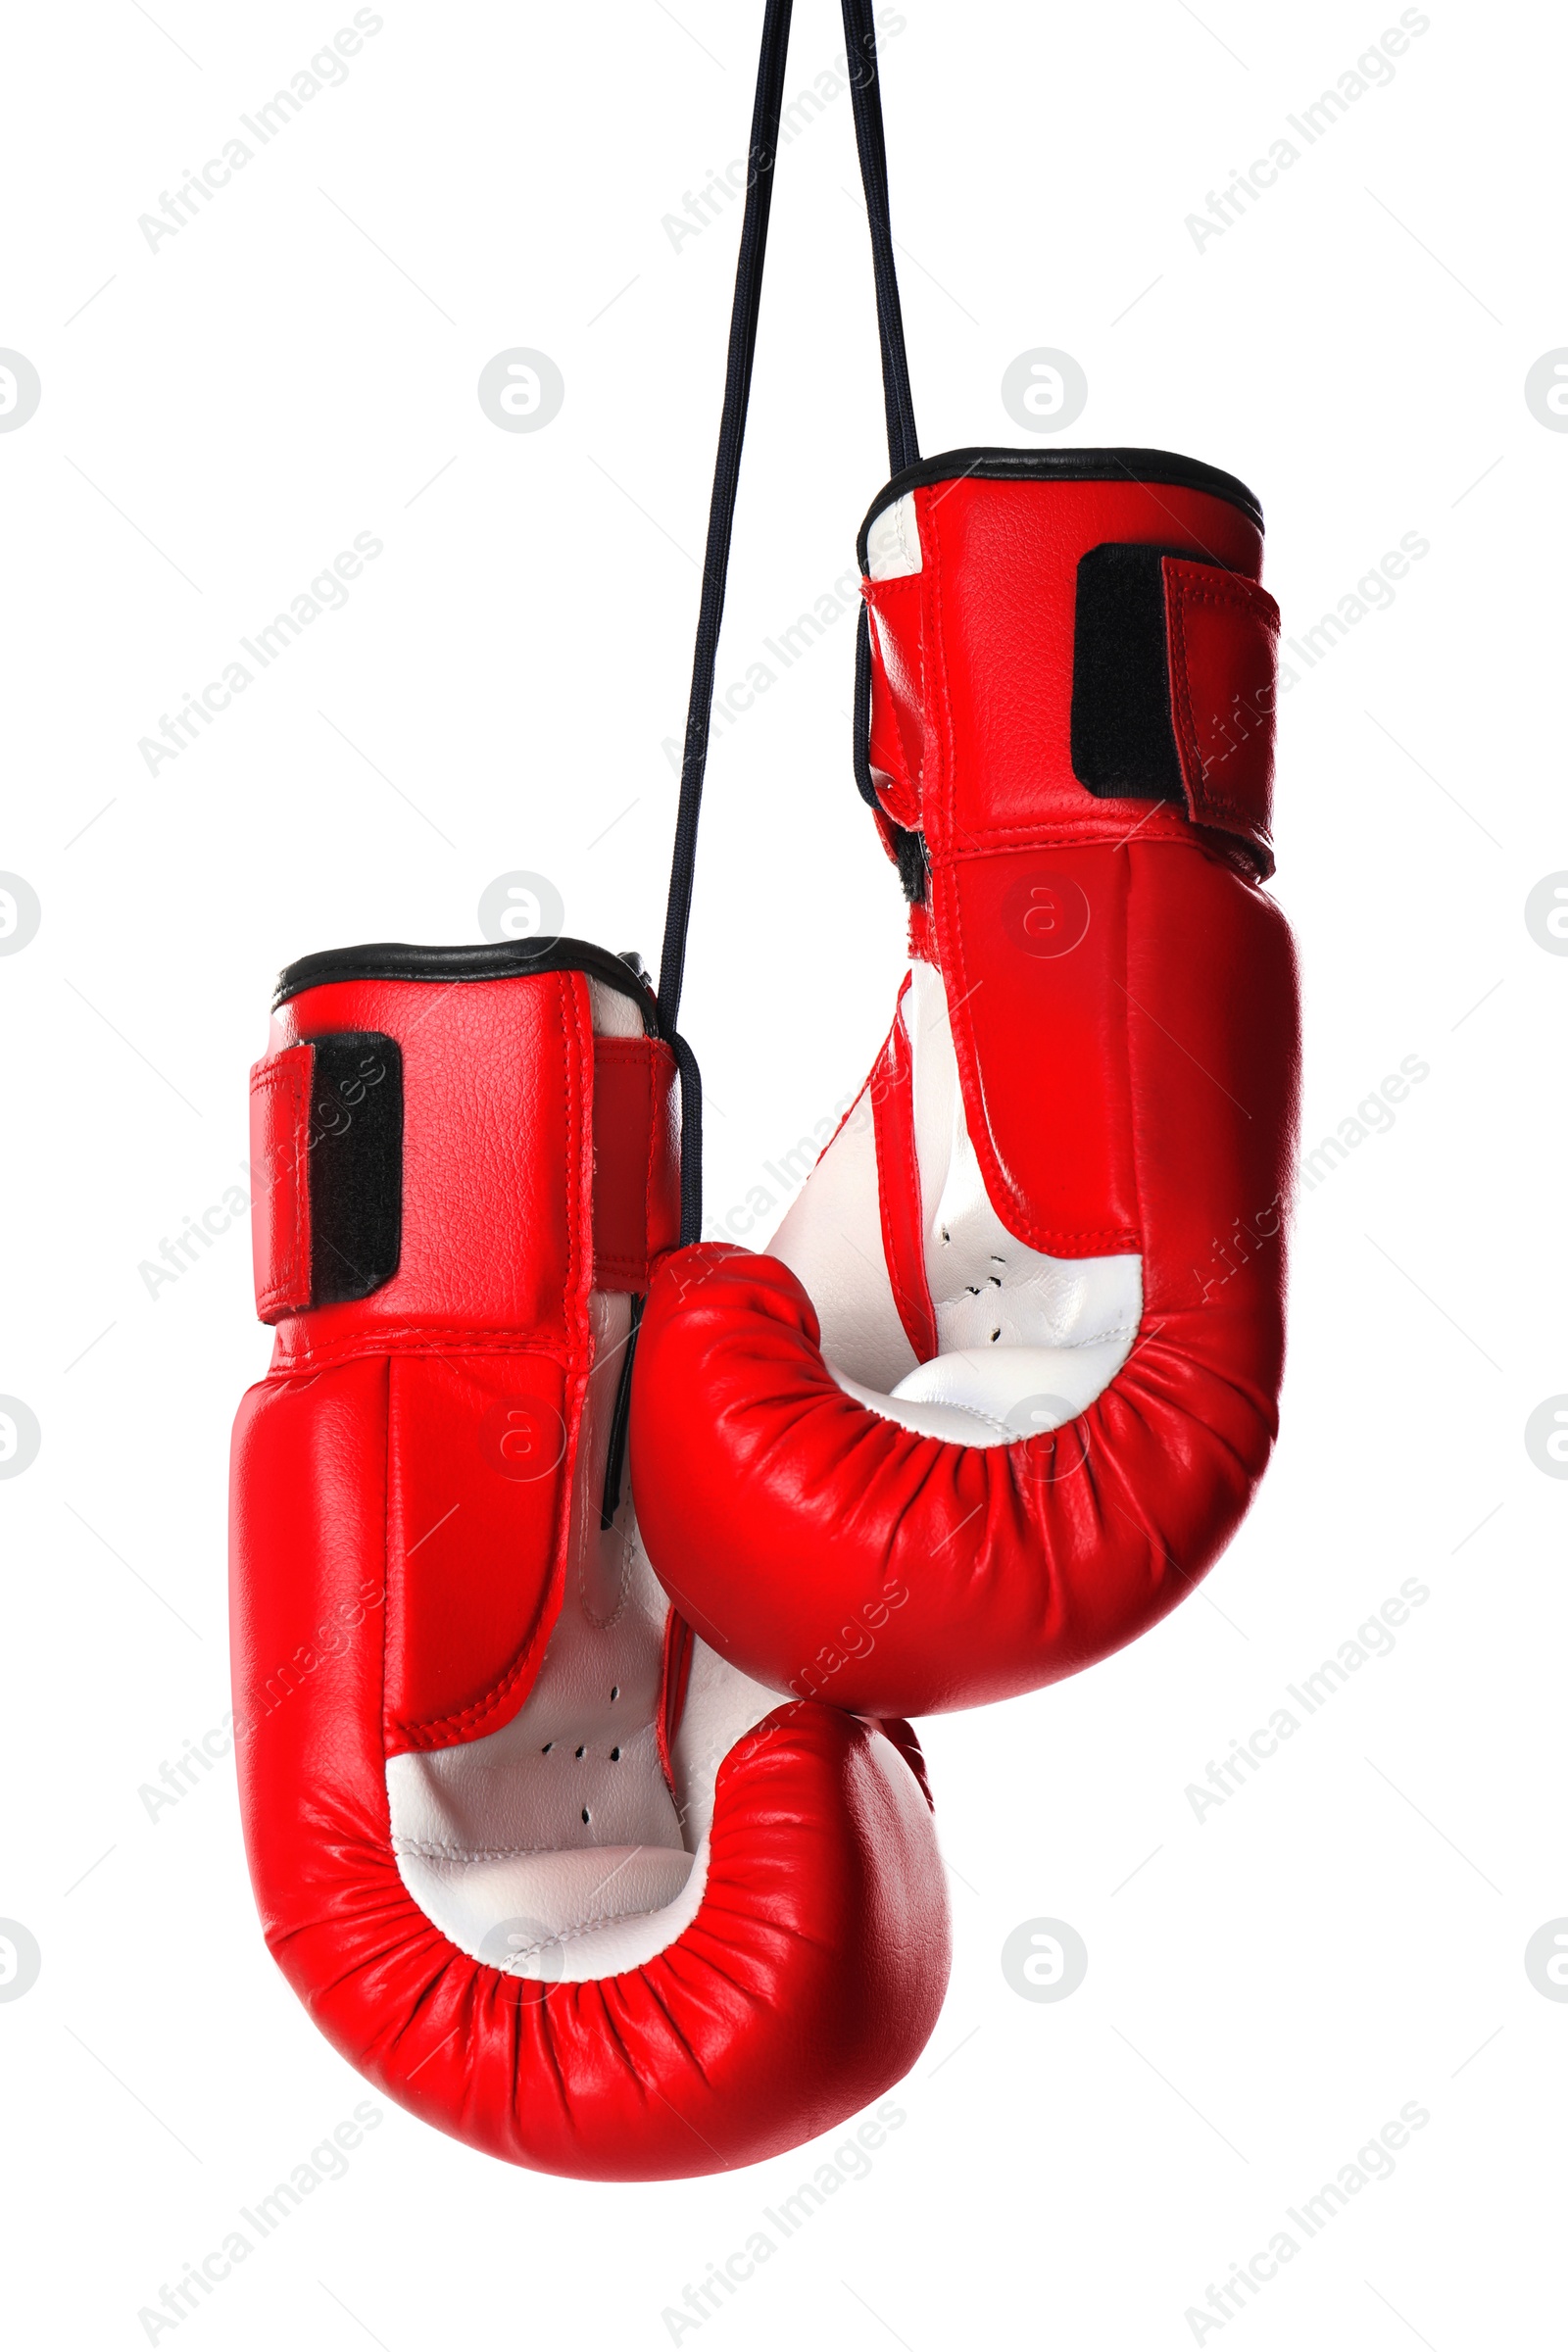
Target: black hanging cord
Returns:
[[619, 1424], [721, 507], [859, 34], [861, 46], [691, 1142]]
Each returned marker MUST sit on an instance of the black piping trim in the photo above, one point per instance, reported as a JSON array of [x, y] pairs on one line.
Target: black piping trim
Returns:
[[505, 959], [1155, 466]]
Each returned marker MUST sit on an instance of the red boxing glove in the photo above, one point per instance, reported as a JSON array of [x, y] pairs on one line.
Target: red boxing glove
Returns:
[[548, 1871], [1004, 1388]]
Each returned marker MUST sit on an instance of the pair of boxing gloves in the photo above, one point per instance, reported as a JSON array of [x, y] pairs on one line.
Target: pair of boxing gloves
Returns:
[[582, 1582]]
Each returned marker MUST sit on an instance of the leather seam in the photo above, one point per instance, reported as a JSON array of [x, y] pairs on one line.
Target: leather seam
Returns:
[[893, 1141], [620, 1273], [587, 1927], [446, 1849], [1162, 826], [412, 1339]]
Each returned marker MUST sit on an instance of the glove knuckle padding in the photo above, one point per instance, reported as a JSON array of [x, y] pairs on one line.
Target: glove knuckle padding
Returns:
[[1045, 1249], [550, 1874]]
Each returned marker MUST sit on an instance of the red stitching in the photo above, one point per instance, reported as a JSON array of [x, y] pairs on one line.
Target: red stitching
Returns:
[[411, 1339]]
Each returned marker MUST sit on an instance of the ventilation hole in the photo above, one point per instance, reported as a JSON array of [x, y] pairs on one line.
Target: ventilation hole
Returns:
[[582, 1752], [548, 1745], [585, 1813], [996, 1279], [614, 1689], [614, 1756], [945, 1235], [996, 1335]]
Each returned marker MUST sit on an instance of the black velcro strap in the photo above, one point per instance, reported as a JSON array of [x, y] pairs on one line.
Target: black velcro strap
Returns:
[[356, 1164], [1123, 742]]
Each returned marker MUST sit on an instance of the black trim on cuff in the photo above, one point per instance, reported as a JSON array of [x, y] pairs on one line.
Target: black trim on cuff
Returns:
[[1155, 466], [505, 959]]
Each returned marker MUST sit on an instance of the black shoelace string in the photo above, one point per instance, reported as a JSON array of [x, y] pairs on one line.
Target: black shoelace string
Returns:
[[903, 450]]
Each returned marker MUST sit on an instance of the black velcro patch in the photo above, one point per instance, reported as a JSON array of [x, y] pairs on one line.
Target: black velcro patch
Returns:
[[1123, 744], [356, 1164]]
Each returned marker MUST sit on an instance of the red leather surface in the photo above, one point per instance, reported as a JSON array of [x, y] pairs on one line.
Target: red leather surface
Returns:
[[808, 1982], [892, 1092], [484, 1323], [885, 1570], [281, 1210], [476, 1451], [1123, 1006], [1034, 947], [636, 1160], [497, 1165], [972, 680], [1222, 634], [897, 704], [972, 656]]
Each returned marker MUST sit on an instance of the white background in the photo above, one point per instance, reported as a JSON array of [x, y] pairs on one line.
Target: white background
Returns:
[[299, 365]]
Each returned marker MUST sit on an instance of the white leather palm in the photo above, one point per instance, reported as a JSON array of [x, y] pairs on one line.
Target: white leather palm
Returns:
[[1026, 1341]]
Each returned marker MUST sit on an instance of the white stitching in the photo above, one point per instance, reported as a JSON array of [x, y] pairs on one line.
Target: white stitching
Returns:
[[586, 1926]]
